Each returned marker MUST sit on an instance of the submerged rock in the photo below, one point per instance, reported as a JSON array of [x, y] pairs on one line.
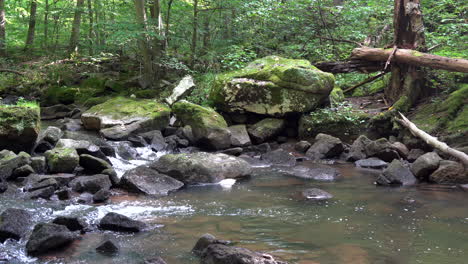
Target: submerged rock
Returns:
[[118, 222], [316, 194], [279, 157], [108, 247], [148, 181], [266, 129], [272, 86], [209, 128], [320, 174], [19, 127], [371, 163], [14, 224], [396, 174], [325, 147], [46, 237], [202, 167]]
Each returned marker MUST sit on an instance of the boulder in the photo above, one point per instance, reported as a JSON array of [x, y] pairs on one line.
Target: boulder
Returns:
[[239, 136], [92, 164], [40, 184], [425, 165], [224, 254], [62, 160], [121, 223], [183, 88], [401, 149], [39, 164], [51, 134], [208, 127], [382, 149], [320, 174], [3, 186], [72, 223], [357, 150], [108, 247], [56, 111], [148, 114], [302, 146], [46, 237], [371, 163], [266, 129], [23, 171], [11, 161], [325, 147], [272, 86], [339, 122], [316, 194], [14, 224], [449, 172], [414, 154], [202, 167], [101, 196], [148, 181], [396, 174], [91, 184], [44, 193], [279, 157], [157, 141], [19, 127]]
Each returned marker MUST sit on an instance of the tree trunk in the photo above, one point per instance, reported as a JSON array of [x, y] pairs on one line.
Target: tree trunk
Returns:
[[75, 34], [361, 66], [32, 26], [194, 32], [91, 28], [411, 57], [46, 23], [143, 43], [2, 29], [168, 21], [158, 43], [206, 34]]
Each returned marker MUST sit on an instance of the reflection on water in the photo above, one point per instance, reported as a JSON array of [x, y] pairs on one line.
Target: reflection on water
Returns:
[[361, 224]]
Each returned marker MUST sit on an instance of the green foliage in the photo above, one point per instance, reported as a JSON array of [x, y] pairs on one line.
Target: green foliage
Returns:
[[200, 94], [341, 113], [237, 57]]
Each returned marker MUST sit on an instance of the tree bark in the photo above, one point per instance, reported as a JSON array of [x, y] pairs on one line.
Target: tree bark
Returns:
[[361, 66], [2, 29], [91, 28], [32, 26], [194, 32], [167, 22], [75, 34], [46, 23], [143, 43], [411, 57]]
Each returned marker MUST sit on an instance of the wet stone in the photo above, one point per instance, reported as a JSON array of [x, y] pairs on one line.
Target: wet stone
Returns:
[[371, 163], [108, 247], [118, 222], [72, 223], [316, 194]]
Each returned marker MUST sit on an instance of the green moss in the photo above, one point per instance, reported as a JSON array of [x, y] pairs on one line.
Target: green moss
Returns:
[[18, 118], [460, 123], [94, 82], [336, 96], [373, 88], [145, 94], [197, 116]]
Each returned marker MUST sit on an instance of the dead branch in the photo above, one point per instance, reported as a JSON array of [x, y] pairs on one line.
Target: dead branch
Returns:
[[12, 71], [371, 79]]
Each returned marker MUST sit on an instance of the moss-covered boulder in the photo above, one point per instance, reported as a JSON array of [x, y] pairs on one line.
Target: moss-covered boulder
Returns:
[[336, 96], [19, 127], [266, 129], [273, 86], [209, 128], [62, 160], [121, 111]]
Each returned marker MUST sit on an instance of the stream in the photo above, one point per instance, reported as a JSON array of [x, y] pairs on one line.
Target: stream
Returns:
[[362, 224]]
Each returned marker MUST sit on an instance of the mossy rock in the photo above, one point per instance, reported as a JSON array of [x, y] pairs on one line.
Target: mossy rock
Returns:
[[69, 95], [62, 160], [209, 128], [336, 96], [124, 111], [273, 86], [19, 127]]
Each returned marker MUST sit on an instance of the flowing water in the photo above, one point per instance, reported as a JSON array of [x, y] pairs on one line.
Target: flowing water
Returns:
[[362, 224]]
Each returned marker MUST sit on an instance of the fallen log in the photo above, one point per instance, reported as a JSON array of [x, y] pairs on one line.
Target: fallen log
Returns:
[[350, 66], [433, 141], [411, 57]]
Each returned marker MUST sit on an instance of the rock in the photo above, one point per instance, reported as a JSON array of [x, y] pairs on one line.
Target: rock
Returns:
[[61, 179], [414, 154], [396, 174], [202, 167], [401, 148], [62, 160], [279, 157], [148, 181], [232, 151], [203, 242], [19, 127], [72, 125], [170, 130], [425, 165], [85, 198], [114, 178], [272, 86], [40, 184], [223, 254], [137, 141], [14, 224], [63, 194], [23, 171], [187, 133], [449, 172], [44, 193], [108, 247], [371, 163], [358, 149], [46, 237], [72, 223], [302, 146], [337, 121], [183, 88], [157, 260], [38, 164], [325, 147], [208, 127], [51, 135], [258, 149], [101, 196], [121, 223], [121, 132], [11, 161], [382, 149], [316, 194], [91, 184], [92, 164], [239, 136], [99, 149], [56, 112], [158, 143], [266, 129], [3, 186], [42, 146], [320, 174], [148, 114]]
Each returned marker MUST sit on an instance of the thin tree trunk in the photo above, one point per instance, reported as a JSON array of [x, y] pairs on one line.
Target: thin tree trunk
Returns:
[[32, 26], [46, 23], [206, 34], [91, 28], [2, 29], [158, 43], [75, 34], [143, 43], [194, 32], [168, 21]]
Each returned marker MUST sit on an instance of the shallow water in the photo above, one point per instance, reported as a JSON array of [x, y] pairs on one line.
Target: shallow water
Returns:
[[362, 224]]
